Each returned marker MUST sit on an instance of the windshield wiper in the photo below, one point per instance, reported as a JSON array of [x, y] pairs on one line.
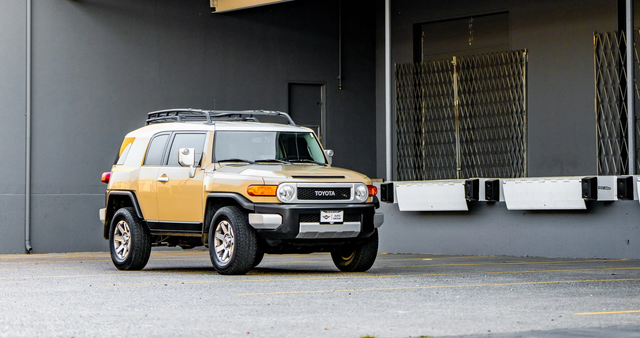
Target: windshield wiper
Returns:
[[273, 160], [236, 160], [309, 161]]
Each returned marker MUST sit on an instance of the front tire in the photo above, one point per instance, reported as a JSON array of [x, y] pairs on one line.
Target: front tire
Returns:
[[233, 246], [358, 259], [129, 241]]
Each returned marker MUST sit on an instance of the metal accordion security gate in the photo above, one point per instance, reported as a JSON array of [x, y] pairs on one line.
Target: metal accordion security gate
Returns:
[[462, 117], [611, 101]]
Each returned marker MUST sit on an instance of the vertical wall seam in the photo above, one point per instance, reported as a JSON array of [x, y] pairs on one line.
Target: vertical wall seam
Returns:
[[387, 89], [27, 192], [340, 44]]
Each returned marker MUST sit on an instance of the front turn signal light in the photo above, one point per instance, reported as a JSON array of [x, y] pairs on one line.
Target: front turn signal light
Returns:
[[262, 190], [106, 177], [373, 190]]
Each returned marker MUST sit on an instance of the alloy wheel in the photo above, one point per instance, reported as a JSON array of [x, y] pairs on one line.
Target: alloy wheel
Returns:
[[224, 242], [122, 240]]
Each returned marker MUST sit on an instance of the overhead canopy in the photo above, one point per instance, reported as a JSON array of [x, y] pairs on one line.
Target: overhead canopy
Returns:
[[219, 6]]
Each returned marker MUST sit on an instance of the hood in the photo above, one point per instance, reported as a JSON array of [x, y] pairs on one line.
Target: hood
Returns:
[[277, 173]]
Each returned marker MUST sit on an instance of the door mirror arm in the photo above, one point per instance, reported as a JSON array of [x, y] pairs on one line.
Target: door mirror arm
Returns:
[[329, 154], [187, 158]]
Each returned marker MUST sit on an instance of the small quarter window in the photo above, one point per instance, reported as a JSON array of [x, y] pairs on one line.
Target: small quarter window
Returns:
[[123, 157], [155, 150], [124, 151]]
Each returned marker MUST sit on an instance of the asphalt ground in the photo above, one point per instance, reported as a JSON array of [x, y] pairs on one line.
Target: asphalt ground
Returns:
[[179, 294]]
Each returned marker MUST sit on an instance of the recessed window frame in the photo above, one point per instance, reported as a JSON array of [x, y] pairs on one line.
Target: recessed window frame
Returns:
[[164, 149]]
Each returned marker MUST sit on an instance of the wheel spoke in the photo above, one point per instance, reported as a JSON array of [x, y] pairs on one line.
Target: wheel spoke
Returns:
[[226, 255], [219, 236]]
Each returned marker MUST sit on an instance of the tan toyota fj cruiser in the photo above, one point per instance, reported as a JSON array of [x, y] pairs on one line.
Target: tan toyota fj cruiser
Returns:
[[243, 188]]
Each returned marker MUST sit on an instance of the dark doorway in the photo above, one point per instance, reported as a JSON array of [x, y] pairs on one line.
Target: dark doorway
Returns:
[[306, 106]]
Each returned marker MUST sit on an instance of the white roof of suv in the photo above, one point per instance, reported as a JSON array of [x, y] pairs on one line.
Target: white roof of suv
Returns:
[[155, 128]]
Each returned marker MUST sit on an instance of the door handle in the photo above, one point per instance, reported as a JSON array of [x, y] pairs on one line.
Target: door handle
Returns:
[[163, 179]]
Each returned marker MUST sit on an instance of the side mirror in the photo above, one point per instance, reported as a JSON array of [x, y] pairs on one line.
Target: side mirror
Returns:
[[187, 158], [329, 154]]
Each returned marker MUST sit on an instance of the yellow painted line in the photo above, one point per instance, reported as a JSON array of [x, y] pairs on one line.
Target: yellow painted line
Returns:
[[444, 265], [436, 287], [57, 261], [357, 276], [605, 313], [64, 276], [101, 260], [384, 259], [379, 259], [35, 269], [510, 263]]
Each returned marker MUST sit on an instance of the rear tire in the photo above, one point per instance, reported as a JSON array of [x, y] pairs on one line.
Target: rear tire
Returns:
[[129, 241], [232, 242], [357, 259]]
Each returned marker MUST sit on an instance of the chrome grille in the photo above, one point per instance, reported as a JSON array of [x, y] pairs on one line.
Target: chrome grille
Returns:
[[324, 194]]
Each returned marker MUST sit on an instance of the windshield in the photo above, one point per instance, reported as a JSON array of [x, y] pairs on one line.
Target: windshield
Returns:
[[268, 146]]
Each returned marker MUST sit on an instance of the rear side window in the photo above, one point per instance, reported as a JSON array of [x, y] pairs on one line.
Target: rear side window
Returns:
[[181, 140], [155, 150]]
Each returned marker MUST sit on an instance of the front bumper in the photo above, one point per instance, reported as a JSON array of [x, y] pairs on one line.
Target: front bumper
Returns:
[[302, 221]]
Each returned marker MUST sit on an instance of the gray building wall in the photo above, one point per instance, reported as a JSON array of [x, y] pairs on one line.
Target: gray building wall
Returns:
[[561, 137], [100, 65], [13, 50]]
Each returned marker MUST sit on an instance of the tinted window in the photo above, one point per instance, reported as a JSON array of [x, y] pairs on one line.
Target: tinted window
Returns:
[[154, 153], [195, 141]]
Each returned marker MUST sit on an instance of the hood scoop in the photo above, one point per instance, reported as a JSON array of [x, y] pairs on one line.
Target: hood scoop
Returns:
[[317, 177]]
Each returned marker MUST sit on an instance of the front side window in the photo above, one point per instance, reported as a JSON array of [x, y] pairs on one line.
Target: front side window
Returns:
[[254, 146], [155, 150], [195, 141]]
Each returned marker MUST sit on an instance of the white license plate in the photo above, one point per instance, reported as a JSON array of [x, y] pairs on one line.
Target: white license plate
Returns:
[[332, 216]]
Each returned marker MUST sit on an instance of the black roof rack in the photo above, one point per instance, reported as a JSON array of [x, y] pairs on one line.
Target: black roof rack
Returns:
[[189, 114]]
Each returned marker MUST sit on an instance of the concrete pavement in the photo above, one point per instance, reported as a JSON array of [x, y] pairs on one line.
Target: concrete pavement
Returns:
[[179, 293]]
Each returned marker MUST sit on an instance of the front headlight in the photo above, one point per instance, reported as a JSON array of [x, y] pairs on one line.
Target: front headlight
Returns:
[[361, 192], [285, 192]]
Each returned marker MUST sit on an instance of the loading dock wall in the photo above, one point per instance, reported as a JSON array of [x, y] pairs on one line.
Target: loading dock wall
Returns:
[[604, 230], [561, 137], [100, 65], [558, 36]]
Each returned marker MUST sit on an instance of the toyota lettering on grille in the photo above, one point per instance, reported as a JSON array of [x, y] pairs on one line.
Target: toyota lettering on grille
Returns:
[[325, 193]]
